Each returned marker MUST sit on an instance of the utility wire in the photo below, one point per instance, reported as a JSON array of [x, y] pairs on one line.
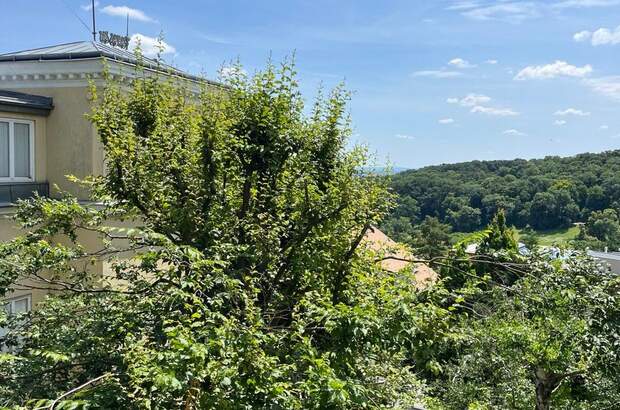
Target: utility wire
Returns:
[[64, 2]]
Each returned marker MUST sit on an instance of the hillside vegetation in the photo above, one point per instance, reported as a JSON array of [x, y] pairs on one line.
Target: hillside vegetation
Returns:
[[251, 286], [546, 194]]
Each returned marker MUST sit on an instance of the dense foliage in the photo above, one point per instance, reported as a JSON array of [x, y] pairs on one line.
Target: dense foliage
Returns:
[[547, 334], [527, 329], [601, 231], [248, 286], [546, 193], [233, 224], [430, 239]]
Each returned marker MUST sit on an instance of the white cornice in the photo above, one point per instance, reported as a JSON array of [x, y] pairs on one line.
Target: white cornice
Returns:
[[71, 73]]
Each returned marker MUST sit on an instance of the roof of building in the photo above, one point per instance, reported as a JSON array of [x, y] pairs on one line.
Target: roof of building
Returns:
[[13, 101], [396, 256], [92, 49], [605, 255]]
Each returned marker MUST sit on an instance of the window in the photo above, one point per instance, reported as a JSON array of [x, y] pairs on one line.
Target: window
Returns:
[[17, 305], [14, 306], [16, 150]]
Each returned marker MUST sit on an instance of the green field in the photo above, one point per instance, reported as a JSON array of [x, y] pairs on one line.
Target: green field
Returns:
[[545, 238], [555, 236]]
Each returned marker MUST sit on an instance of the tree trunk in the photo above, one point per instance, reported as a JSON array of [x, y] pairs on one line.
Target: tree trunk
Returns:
[[543, 395], [546, 383]]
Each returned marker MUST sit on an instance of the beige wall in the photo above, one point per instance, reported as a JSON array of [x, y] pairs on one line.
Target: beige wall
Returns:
[[91, 241], [66, 143]]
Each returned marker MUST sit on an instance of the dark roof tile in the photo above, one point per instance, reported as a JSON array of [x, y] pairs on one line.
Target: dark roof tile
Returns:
[[21, 102]]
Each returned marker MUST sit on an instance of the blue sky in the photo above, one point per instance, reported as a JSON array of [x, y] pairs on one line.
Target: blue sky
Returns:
[[434, 81]]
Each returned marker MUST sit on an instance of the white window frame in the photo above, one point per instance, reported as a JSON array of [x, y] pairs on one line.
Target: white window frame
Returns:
[[11, 302], [12, 177]]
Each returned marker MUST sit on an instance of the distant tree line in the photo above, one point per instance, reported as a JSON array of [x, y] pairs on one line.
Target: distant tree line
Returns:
[[545, 193]]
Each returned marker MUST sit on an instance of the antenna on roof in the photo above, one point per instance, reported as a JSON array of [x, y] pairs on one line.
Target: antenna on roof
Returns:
[[92, 6], [127, 31]]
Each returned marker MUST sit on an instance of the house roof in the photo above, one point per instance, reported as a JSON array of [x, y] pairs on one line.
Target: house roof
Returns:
[[605, 255], [396, 256], [81, 50], [13, 101]]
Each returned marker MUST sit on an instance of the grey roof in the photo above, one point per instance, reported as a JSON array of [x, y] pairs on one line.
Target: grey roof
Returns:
[[605, 255], [91, 49], [28, 103]]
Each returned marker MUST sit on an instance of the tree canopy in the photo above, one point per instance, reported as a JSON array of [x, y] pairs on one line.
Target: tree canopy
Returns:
[[544, 193], [248, 285], [233, 222]]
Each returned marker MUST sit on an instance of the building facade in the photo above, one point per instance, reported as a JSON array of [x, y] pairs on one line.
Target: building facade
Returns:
[[45, 134]]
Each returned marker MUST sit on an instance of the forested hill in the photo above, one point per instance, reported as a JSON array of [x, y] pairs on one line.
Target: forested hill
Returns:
[[545, 193]]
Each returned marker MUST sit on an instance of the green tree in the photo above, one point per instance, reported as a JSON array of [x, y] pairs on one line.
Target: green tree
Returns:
[[400, 225], [529, 238], [464, 219], [400, 229], [249, 284], [432, 238], [547, 193], [499, 236], [553, 208], [604, 226], [547, 340]]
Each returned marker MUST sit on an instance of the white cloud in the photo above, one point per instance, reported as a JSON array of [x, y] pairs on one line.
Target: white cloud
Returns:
[[89, 6], [501, 112], [604, 127], [469, 100], [464, 5], [478, 104], [405, 137], [607, 86], [559, 122], [585, 3], [124, 11], [460, 63], [492, 62], [517, 11], [446, 121], [215, 39], [600, 37], [514, 132], [150, 46], [582, 36], [436, 74], [572, 111], [556, 69], [605, 36], [513, 12]]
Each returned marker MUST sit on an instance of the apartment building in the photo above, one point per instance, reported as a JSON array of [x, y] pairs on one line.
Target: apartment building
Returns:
[[45, 134]]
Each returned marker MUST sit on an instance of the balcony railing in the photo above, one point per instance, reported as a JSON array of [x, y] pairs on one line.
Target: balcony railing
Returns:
[[10, 192]]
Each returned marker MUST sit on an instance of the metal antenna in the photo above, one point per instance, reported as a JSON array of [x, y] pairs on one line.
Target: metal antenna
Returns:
[[127, 31], [93, 9]]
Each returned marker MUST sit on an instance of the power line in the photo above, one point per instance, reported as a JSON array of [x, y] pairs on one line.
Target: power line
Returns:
[[76, 15]]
